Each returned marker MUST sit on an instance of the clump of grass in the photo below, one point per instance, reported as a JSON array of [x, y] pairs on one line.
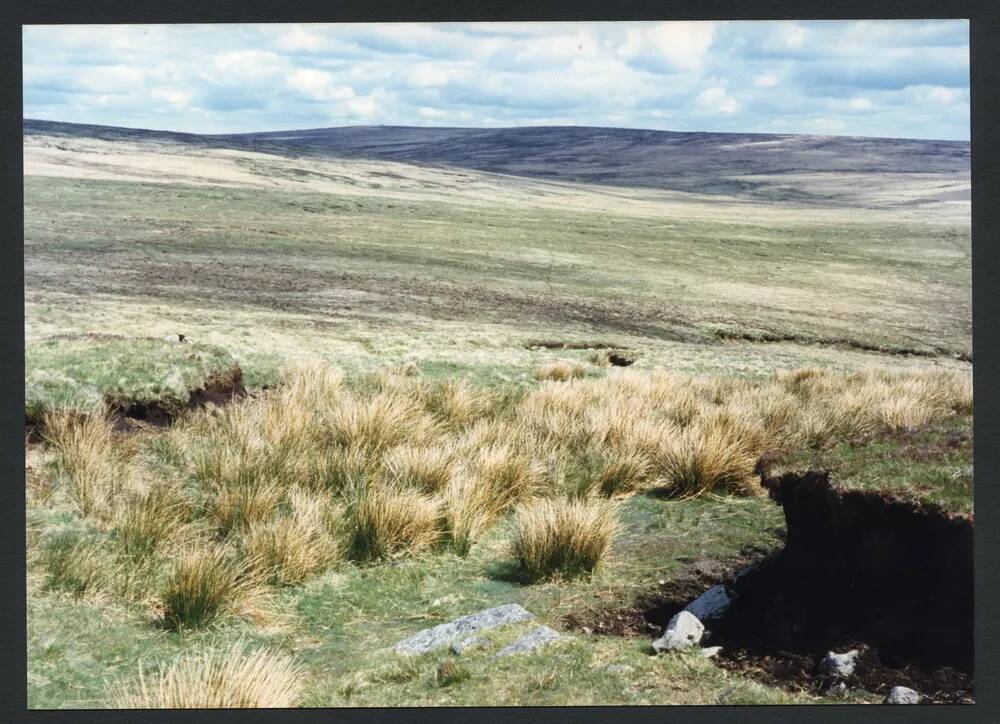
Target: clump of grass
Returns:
[[450, 672], [623, 469], [708, 458], [208, 582], [217, 679], [456, 402], [483, 490], [426, 468], [379, 422], [560, 371], [142, 523], [565, 537], [87, 458], [290, 548], [232, 507], [385, 522]]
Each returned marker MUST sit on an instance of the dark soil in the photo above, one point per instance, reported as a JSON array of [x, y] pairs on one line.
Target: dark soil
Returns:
[[859, 570]]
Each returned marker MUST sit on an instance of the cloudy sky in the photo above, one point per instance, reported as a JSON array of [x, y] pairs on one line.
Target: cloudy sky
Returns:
[[872, 78]]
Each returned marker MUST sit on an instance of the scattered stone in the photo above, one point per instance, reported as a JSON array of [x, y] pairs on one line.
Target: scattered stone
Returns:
[[902, 695], [711, 652], [541, 636], [461, 628], [710, 605], [839, 666], [619, 669], [470, 644], [683, 630], [838, 689]]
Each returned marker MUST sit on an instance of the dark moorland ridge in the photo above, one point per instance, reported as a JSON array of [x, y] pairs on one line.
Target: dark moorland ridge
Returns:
[[701, 162]]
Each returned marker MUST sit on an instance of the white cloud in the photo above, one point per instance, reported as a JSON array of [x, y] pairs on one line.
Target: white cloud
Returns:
[[766, 80], [176, 98], [318, 85], [716, 100], [893, 78]]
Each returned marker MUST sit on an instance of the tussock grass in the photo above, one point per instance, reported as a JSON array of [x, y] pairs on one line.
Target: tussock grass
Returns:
[[145, 522], [87, 458], [217, 679], [206, 583], [565, 537], [232, 507], [425, 468], [384, 521], [560, 371], [708, 458], [379, 422], [288, 549]]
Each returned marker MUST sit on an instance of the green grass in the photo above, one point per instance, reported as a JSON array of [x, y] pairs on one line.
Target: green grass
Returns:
[[82, 373], [931, 465]]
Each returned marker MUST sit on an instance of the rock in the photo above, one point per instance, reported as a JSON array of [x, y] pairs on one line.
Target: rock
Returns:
[[902, 695], [539, 637], [619, 669], [683, 630], [710, 605], [711, 652], [838, 689], [471, 643], [461, 628], [838, 666]]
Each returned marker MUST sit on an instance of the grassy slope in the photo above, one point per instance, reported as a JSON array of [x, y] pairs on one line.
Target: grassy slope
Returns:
[[459, 283]]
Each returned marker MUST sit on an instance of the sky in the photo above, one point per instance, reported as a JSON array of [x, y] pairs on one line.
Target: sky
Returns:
[[889, 78]]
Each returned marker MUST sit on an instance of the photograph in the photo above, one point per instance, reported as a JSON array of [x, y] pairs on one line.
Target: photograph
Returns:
[[498, 364]]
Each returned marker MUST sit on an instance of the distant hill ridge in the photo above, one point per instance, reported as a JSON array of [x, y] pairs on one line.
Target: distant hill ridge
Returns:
[[685, 161]]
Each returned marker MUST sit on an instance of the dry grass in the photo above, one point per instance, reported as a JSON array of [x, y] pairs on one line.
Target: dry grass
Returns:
[[560, 371], [145, 522], [289, 548], [428, 469], [206, 583], [708, 458], [565, 537], [87, 458], [221, 679], [385, 521]]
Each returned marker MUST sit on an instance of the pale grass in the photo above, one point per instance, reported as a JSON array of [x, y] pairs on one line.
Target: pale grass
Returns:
[[88, 459], [290, 548], [426, 468], [706, 458], [563, 537], [385, 521], [147, 521], [379, 422], [208, 582], [217, 679], [560, 371]]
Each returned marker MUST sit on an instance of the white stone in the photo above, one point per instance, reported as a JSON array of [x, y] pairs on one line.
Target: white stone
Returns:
[[902, 695], [711, 652], [683, 631], [712, 604], [839, 665], [461, 628]]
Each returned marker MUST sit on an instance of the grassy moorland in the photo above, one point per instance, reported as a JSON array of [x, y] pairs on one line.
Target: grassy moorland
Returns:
[[433, 426]]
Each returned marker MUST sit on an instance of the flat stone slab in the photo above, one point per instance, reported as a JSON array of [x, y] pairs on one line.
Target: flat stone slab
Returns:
[[536, 639], [461, 628]]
